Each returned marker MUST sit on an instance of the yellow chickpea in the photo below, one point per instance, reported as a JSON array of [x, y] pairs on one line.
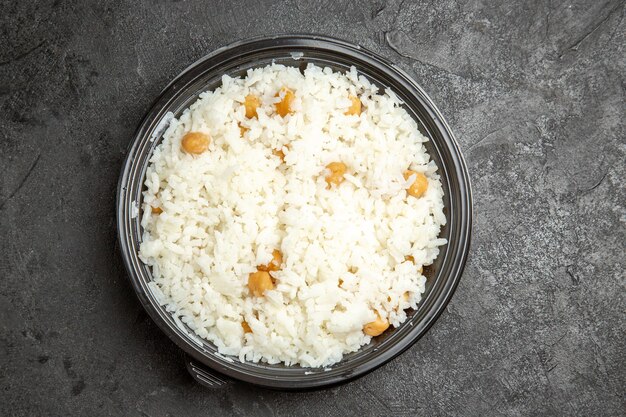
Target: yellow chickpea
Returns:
[[419, 186], [156, 210], [195, 142], [251, 103], [259, 282], [246, 327], [412, 260], [283, 107], [355, 107], [376, 327], [275, 263], [279, 153], [337, 171]]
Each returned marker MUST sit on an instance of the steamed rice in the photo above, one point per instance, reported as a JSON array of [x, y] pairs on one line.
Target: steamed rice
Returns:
[[227, 209]]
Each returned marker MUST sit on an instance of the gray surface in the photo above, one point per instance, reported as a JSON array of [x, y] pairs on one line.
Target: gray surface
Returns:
[[535, 94]]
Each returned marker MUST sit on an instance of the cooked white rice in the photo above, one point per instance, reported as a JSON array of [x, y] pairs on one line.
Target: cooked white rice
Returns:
[[227, 209]]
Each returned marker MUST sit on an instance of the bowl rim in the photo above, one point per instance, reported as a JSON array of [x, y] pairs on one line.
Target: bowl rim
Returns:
[[150, 124]]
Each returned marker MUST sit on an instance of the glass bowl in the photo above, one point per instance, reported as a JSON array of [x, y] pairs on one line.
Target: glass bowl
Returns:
[[205, 364]]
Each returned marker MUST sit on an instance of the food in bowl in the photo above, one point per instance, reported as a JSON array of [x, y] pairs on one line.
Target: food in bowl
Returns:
[[288, 215]]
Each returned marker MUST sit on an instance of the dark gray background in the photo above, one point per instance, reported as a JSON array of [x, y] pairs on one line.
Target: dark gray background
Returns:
[[535, 94]]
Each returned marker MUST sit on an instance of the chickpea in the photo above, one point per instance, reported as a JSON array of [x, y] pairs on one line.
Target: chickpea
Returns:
[[242, 129], [283, 107], [275, 263], [355, 107], [412, 260], [251, 103], [195, 142], [279, 153], [419, 186], [156, 210], [376, 327], [246, 327], [259, 282], [337, 170]]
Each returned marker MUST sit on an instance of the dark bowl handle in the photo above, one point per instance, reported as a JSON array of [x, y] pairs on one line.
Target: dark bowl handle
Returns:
[[205, 376]]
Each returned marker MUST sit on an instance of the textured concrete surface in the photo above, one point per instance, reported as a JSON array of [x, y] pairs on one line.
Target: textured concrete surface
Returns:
[[535, 93]]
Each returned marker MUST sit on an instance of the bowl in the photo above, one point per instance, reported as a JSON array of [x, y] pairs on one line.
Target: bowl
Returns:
[[205, 364]]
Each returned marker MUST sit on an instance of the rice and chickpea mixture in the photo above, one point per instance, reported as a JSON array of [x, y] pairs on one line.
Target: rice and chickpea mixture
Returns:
[[288, 215]]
